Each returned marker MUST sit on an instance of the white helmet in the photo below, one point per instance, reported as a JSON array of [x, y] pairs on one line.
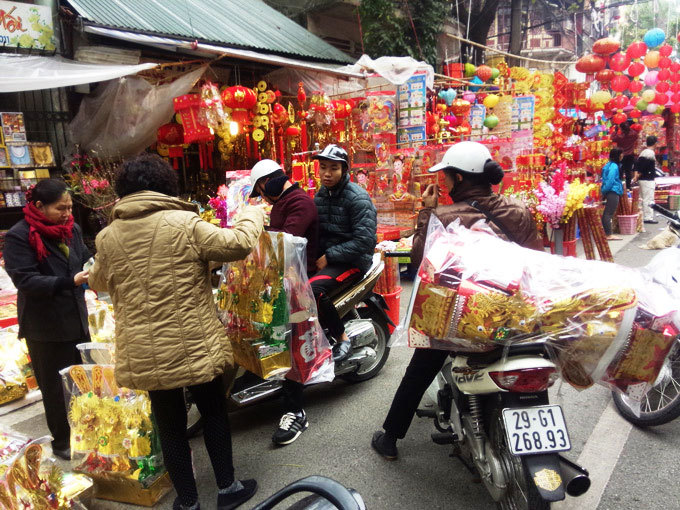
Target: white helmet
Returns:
[[262, 169], [468, 157]]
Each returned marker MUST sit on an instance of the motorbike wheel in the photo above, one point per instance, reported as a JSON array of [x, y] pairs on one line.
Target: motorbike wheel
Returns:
[[521, 492], [662, 402], [382, 334]]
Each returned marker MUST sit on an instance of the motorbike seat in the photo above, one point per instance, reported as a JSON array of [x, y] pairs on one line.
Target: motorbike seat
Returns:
[[486, 358], [354, 293]]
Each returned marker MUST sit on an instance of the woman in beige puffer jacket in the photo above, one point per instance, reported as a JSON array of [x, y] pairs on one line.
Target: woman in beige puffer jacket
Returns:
[[153, 259]]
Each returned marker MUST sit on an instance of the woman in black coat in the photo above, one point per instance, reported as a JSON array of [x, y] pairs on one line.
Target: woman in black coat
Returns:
[[44, 255]]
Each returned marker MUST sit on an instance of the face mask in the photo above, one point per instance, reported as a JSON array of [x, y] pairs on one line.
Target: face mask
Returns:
[[274, 186]]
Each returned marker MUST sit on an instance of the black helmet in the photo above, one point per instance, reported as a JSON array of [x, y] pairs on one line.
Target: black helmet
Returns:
[[334, 153]]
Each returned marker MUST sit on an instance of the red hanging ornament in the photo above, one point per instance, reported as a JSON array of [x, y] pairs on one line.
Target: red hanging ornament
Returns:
[[619, 118], [618, 62], [619, 102], [665, 50], [663, 74], [241, 100], [675, 108], [637, 127], [590, 64], [606, 46], [636, 69], [635, 114], [635, 86], [484, 72], [172, 135], [605, 76], [662, 87], [188, 107], [620, 83], [660, 99], [636, 49], [675, 97], [665, 62]]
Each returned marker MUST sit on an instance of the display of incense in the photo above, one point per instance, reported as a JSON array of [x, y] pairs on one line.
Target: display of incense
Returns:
[[599, 236], [635, 202], [585, 234], [570, 229]]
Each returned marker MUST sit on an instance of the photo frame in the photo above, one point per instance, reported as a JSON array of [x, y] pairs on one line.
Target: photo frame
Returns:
[[42, 154], [13, 126], [4, 157], [20, 155]]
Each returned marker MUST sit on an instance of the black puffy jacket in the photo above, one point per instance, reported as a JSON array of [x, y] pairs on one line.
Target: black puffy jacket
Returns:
[[347, 224]]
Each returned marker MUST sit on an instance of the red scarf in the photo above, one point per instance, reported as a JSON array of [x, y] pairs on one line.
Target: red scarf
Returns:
[[41, 226]]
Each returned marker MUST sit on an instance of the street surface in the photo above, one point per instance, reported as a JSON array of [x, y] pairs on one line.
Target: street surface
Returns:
[[630, 468]]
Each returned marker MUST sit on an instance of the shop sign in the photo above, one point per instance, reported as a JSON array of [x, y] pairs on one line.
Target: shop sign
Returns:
[[26, 26]]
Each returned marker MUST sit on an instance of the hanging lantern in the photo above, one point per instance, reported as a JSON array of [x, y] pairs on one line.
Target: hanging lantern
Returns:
[[637, 127], [620, 83], [652, 58], [279, 114], [636, 49], [651, 78], [635, 86], [636, 69], [491, 121], [664, 74], [675, 108], [635, 113], [665, 63], [619, 102], [663, 87], [172, 136], [606, 75], [484, 73], [648, 95], [241, 100], [601, 97], [590, 64], [654, 37], [606, 46], [618, 62], [660, 99], [342, 108], [619, 118]]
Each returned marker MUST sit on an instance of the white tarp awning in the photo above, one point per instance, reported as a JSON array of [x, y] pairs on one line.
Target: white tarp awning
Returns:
[[20, 72]]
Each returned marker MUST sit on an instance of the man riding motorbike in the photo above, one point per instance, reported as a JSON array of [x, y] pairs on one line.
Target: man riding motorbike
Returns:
[[469, 174], [293, 212], [347, 239]]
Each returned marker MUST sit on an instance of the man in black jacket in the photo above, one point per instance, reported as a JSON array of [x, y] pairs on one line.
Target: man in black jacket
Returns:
[[347, 239], [645, 173]]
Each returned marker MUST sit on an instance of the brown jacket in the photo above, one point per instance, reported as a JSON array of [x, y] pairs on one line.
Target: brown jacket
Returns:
[[153, 260], [512, 213]]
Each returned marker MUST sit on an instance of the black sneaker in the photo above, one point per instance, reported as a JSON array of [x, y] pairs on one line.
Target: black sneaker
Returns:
[[176, 505], [237, 498], [62, 454], [384, 446], [290, 428]]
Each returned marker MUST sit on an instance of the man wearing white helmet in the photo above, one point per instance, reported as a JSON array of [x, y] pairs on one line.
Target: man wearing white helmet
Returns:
[[469, 173], [293, 212]]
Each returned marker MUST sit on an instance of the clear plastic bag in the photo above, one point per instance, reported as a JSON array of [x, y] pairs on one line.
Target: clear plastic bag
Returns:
[[266, 304], [31, 477], [14, 366], [603, 323], [112, 429], [100, 319]]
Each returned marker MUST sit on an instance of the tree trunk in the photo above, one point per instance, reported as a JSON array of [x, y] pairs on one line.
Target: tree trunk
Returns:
[[516, 35], [481, 19]]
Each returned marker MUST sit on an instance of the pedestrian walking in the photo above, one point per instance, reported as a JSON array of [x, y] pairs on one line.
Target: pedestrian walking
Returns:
[[645, 174], [153, 259], [44, 255], [611, 189], [625, 139]]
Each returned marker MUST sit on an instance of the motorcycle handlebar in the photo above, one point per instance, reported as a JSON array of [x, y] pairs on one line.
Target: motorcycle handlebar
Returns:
[[672, 216]]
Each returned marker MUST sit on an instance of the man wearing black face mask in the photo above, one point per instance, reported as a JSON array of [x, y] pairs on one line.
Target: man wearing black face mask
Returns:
[[293, 212]]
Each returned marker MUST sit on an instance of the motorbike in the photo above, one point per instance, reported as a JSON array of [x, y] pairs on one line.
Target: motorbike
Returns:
[[363, 313], [493, 408], [327, 494], [661, 404]]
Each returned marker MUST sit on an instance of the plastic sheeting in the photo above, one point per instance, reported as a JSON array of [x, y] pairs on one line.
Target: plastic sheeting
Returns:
[[21, 73], [122, 117], [396, 70]]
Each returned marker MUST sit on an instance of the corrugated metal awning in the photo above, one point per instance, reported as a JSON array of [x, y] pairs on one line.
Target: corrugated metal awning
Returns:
[[238, 24]]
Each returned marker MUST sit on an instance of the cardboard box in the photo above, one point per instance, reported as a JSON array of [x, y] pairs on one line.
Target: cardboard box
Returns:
[[125, 490]]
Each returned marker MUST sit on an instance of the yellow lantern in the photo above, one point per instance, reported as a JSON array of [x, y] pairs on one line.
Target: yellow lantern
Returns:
[[652, 59], [491, 100], [601, 97], [648, 95]]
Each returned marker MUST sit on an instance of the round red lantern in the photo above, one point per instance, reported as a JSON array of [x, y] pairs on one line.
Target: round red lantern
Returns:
[[618, 62], [484, 72], [675, 67], [660, 98], [241, 100], [675, 108], [636, 50], [675, 97], [662, 86], [606, 46], [637, 127], [604, 76], [635, 114], [292, 131], [171, 134], [590, 64], [635, 86], [620, 83], [619, 102], [665, 50], [663, 74], [619, 118], [665, 62], [675, 87], [636, 69]]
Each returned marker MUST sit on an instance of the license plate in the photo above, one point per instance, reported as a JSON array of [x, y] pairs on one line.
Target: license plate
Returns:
[[539, 429]]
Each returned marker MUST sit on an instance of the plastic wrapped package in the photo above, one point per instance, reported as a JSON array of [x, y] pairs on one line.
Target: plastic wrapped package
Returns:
[[31, 479], [100, 318], [112, 430], [14, 366], [93, 353], [268, 309], [603, 323]]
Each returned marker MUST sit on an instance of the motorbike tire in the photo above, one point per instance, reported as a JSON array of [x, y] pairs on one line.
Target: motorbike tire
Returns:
[[383, 352], [521, 493], [662, 402]]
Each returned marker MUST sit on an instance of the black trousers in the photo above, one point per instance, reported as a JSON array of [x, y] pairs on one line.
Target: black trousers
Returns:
[[47, 359], [293, 396], [421, 371], [626, 171], [327, 283], [611, 203], [171, 417]]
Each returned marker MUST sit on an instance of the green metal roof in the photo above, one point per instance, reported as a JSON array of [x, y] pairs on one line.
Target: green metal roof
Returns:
[[250, 24]]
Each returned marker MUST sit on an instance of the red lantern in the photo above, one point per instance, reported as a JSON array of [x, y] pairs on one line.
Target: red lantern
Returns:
[[676, 97], [663, 75], [675, 87], [637, 127], [590, 64], [619, 118], [636, 69], [618, 62], [301, 94], [665, 50], [606, 46], [605, 76], [635, 86], [172, 135], [675, 67], [619, 102], [620, 83], [660, 98], [636, 50], [279, 114], [675, 108], [662, 86], [635, 114], [665, 62], [342, 108], [241, 100], [485, 72], [292, 131]]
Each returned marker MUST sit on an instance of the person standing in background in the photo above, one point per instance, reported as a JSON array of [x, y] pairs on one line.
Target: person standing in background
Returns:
[[611, 190], [645, 173], [625, 139], [44, 255]]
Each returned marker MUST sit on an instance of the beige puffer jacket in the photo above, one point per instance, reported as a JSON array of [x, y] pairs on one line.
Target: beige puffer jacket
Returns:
[[153, 260]]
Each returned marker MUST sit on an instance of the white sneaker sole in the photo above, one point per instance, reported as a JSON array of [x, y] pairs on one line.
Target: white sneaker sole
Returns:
[[292, 439]]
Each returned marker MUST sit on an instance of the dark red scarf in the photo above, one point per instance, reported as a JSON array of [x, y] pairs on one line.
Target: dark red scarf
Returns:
[[41, 226]]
